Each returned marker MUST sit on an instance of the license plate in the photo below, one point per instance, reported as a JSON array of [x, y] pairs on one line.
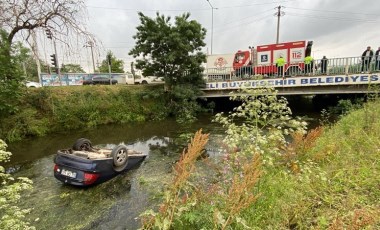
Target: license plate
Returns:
[[68, 173]]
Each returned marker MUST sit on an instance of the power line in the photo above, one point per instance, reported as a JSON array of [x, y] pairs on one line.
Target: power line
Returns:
[[154, 10], [236, 21], [332, 18], [182, 10], [333, 11], [234, 27], [255, 4], [118, 47]]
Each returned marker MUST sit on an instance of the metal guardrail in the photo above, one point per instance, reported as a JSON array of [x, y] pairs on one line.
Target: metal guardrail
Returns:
[[335, 66]]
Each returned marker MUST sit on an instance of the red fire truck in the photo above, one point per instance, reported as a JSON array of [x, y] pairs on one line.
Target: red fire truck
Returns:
[[262, 60]]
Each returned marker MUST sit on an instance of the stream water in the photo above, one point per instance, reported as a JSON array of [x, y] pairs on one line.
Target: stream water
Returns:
[[117, 203]]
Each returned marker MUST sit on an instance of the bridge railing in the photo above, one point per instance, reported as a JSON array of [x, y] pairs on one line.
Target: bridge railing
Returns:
[[332, 66]]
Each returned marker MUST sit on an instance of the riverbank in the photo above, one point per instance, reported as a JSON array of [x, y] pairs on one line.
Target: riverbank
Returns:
[[58, 109], [326, 179], [333, 181]]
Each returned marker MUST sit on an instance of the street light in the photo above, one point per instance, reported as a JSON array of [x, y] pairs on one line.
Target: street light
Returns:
[[91, 44], [212, 22]]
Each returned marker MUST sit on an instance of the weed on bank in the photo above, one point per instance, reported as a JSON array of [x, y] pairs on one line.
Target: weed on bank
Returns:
[[56, 109], [327, 178]]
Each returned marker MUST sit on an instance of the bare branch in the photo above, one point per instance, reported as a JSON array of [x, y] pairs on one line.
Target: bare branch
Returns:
[[64, 18]]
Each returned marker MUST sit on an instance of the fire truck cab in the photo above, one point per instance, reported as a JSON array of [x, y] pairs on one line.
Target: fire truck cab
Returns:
[[262, 60]]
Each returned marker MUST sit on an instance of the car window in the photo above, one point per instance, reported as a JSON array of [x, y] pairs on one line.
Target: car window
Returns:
[[99, 78]]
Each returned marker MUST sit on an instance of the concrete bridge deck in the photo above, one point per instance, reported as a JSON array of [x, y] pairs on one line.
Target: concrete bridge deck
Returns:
[[307, 85], [343, 76]]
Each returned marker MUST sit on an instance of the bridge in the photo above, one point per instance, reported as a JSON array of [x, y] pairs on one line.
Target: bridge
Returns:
[[341, 76]]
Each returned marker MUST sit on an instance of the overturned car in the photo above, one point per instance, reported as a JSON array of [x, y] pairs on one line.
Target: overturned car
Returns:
[[84, 165]]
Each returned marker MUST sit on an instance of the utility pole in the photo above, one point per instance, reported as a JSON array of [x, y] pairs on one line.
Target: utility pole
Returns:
[[278, 14], [212, 22], [109, 67], [35, 54], [133, 72], [54, 56], [56, 59], [91, 44]]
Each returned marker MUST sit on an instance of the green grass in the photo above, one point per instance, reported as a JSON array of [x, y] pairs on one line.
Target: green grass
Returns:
[[339, 183], [55, 109]]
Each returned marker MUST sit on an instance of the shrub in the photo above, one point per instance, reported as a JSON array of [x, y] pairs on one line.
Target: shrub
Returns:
[[11, 216], [227, 194]]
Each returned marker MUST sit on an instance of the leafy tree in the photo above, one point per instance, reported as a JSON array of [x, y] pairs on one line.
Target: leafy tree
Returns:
[[10, 77], [26, 62], [117, 65], [11, 216], [72, 68], [170, 51], [173, 52]]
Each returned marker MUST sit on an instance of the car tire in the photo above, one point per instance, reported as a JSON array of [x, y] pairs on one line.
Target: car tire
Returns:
[[82, 144], [144, 82], [120, 157]]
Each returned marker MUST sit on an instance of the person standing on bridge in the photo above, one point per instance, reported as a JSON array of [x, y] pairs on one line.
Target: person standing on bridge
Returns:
[[324, 63], [377, 58], [366, 59], [280, 62], [308, 64]]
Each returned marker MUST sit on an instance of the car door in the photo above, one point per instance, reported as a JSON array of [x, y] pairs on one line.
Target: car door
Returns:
[[104, 80]]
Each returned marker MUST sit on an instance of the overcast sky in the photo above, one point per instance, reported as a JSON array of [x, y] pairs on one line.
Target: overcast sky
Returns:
[[338, 28]]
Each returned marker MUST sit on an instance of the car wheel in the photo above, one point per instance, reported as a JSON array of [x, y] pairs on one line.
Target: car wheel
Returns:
[[82, 144], [120, 157], [144, 82]]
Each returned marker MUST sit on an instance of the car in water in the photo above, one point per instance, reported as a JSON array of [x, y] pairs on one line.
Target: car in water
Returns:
[[100, 80], [84, 165]]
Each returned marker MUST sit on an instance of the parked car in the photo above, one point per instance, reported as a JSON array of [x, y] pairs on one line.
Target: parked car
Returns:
[[84, 165], [99, 80], [130, 80], [32, 84]]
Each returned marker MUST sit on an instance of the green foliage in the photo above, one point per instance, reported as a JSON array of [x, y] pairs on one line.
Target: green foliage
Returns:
[[223, 195], [117, 65], [10, 76], [170, 51], [72, 68], [183, 102], [53, 109], [26, 123], [26, 61], [175, 198], [11, 216], [347, 154], [266, 120], [173, 52], [344, 107]]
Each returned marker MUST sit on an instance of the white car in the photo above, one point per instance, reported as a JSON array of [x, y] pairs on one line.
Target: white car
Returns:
[[130, 80], [32, 84]]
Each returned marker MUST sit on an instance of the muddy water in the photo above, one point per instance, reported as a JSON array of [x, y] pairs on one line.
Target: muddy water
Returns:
[[117, 203]]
